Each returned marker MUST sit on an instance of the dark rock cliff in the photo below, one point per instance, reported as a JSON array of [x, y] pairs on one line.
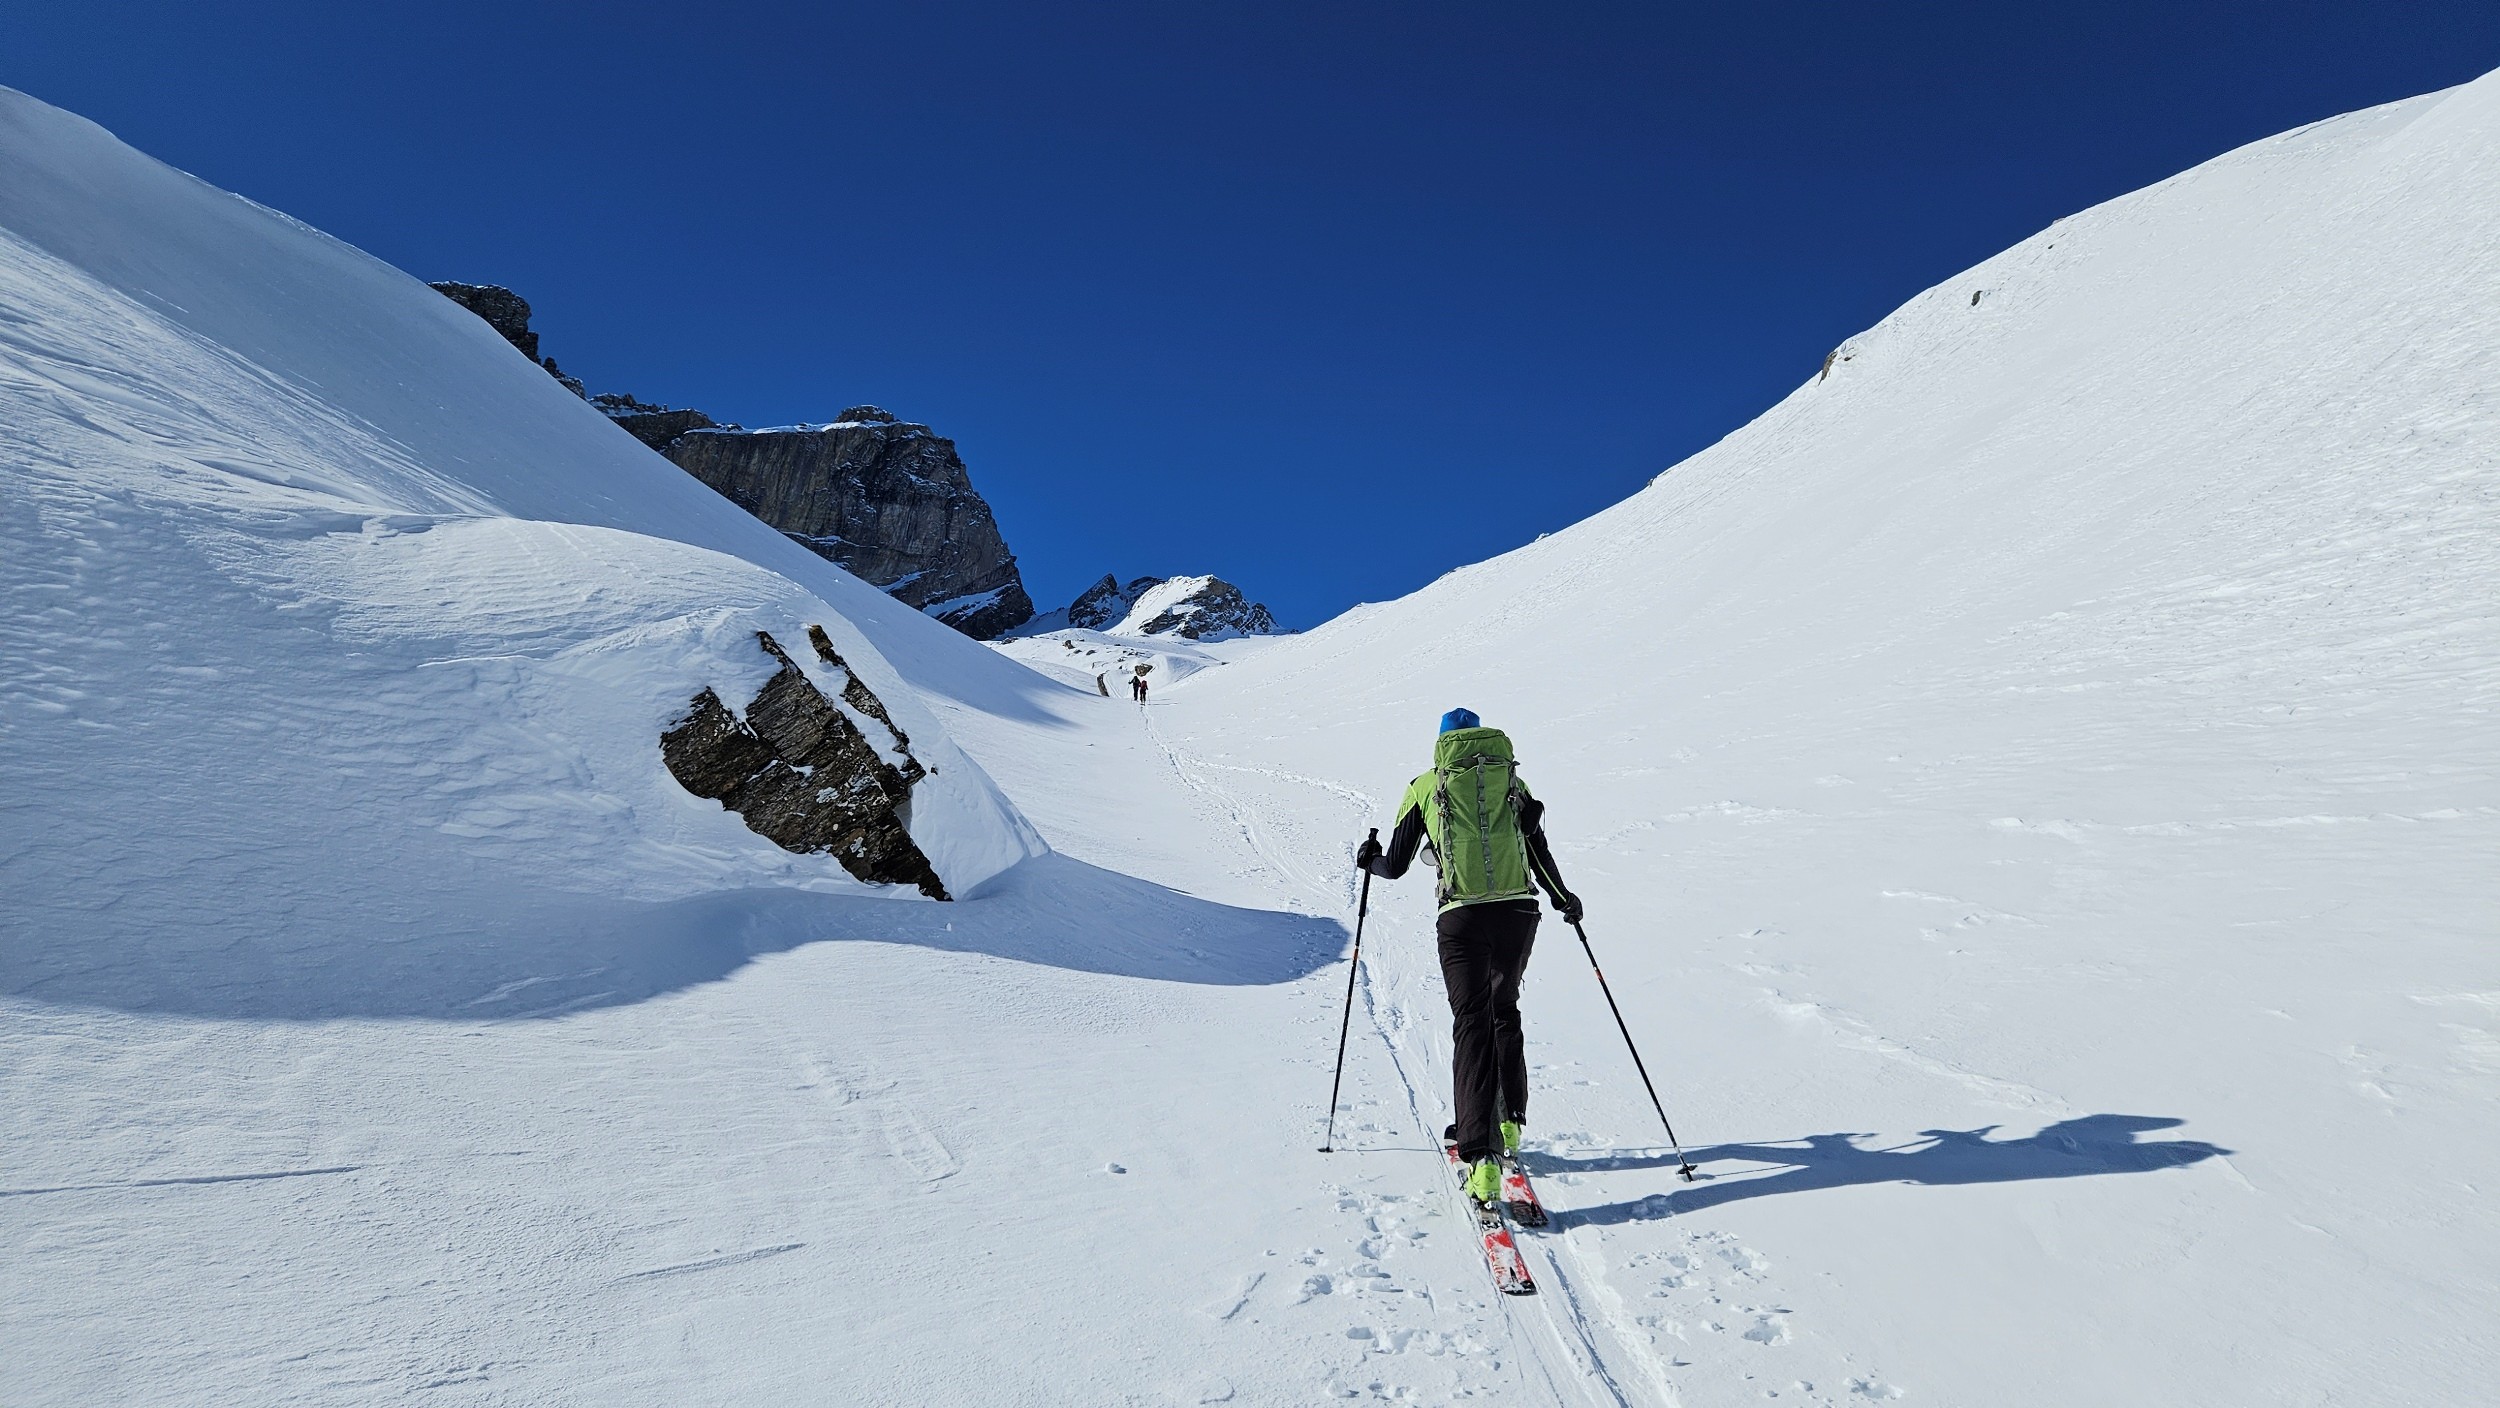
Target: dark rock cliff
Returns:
[[653, 425], [888, 500], [504, 311]]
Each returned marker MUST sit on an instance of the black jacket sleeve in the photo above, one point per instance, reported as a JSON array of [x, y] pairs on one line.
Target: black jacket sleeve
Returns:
[[1402, 844], [1541, 855]]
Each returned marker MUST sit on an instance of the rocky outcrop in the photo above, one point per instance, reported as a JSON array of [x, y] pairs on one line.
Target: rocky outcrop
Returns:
[[807, 774], [887, 499], [505, 311], [1194, 608], [509, 314], [653, 425]]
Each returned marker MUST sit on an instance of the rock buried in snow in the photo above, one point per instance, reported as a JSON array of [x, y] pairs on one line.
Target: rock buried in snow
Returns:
[[806, 773]]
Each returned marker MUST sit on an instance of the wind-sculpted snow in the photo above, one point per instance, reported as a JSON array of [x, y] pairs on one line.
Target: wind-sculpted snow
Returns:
[[338, 623]]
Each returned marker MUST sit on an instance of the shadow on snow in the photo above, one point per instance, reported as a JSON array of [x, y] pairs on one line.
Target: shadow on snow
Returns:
[[2076, 1148], [541, 955]]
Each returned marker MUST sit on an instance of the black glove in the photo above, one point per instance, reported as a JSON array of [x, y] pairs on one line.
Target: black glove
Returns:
[[1366, 853], [1567, 905]]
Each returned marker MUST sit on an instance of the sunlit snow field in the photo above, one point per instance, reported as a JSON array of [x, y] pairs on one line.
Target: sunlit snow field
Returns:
[[2033, 790]]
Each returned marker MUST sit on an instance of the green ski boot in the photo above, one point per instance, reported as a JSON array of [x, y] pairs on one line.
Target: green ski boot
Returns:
[[1510, 1139], [1484, 1181]]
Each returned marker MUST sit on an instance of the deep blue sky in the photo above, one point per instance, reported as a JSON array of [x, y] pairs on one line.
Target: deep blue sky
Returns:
[[1324, 298]]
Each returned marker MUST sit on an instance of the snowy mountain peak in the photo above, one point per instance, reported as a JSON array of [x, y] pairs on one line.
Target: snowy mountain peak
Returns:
[[1198, 608], [1194, 608]]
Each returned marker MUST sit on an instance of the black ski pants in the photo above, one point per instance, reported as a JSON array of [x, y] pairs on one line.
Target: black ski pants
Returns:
[[1484, 951]]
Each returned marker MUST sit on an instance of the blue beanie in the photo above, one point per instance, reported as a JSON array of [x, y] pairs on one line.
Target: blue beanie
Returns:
[[1459, 718]]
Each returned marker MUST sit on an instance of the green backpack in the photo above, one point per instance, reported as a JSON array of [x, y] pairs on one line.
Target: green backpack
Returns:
[[1471, 801]]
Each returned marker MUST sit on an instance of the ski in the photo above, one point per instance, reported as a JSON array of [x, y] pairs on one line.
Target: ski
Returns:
[[1519, 1196], [1501, 1254]]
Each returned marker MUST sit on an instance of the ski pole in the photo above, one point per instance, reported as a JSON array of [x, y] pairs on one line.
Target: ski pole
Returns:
[[1362, 907], [1684, 1165]]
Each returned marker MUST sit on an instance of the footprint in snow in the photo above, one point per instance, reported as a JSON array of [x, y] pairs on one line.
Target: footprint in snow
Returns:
[[1228, 1306]]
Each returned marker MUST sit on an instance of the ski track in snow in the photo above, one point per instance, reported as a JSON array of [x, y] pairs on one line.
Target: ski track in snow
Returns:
[[1575, 1328], [1690, 1297]]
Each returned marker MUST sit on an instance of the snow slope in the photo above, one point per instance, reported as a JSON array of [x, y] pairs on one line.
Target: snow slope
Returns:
[[2036, 793], [378, 1020], [305, 557]]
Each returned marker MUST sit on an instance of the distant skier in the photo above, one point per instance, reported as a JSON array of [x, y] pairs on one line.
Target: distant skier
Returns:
[[1487, 840], [1137, 688]]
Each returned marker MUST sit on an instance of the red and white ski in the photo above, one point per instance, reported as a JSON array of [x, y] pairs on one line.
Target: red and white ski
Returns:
[[1501, 1254]]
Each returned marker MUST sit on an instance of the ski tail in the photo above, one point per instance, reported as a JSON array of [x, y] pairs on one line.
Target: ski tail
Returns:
[[1520, 1196]]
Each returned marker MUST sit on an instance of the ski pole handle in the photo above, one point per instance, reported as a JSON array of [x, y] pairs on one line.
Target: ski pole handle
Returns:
[[1363, 906]]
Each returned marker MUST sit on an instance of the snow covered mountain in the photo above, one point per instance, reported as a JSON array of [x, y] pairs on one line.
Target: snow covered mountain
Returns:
[[2034, 791], [322, 564], [1188, 608], [1196, 608]]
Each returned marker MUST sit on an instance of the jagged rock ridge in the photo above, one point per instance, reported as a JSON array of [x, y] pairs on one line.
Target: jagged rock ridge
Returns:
[[653, 425], [888, 500], [1107, 602], [805, 773]]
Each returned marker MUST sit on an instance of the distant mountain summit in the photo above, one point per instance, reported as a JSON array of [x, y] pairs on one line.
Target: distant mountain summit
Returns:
[[1106, 602], [1194, 608], [887, 499]]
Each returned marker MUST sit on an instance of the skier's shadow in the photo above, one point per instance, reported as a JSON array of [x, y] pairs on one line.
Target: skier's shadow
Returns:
[[2076, 1148]]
